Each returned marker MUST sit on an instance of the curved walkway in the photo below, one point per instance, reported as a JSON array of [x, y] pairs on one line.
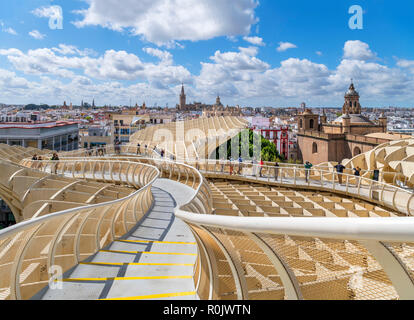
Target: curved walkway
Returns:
[[154, 261]]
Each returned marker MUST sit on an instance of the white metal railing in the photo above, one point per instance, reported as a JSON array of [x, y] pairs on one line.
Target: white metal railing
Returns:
[[30, 250]]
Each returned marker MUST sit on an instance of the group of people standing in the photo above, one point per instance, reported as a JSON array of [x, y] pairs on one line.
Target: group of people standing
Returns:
[[339, 170], [55, 157], [255, 164]]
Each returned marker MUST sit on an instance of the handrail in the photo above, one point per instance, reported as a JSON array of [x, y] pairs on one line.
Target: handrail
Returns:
[[87, 228], [107, 150], [326, 180]]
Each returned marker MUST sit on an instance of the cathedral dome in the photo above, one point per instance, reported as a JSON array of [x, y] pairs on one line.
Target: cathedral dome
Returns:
[[355, 118]]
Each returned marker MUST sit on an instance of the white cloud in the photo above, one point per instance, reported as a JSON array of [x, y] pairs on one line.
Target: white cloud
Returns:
[[113, 65], [239, 76], [257, 41], [358, 50], [48, 12], [164, 56], [65, 49], [283, 46], [8, 30], [167, 21], [37, 35]]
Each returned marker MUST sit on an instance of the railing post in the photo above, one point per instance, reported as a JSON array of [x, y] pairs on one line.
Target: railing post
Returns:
[[294, 176]]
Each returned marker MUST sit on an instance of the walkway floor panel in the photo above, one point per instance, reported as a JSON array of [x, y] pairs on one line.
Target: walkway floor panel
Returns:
[[154, 261]]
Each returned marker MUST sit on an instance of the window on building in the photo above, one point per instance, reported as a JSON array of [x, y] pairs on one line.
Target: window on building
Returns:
[[357, 151], [311, 123], [315, 148], [301, 123]]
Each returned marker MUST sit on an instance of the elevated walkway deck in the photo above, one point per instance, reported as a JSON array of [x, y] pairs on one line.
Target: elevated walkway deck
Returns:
[[154, 261]]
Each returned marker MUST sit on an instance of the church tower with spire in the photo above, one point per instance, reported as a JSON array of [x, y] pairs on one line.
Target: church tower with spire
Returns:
[[351, 105], [183, 98]]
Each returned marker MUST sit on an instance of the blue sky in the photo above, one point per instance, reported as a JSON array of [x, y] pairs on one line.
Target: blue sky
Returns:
[[143, 50]]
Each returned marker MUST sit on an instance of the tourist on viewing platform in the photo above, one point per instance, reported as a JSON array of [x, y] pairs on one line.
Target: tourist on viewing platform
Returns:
[[261, 164], [139, 148], [375, 176], [162, 153], [308, 167], [276, 171], [117, 146], [146, 149], [340, 171], [55, 157], [240, 165], [231, 166], [357, 173], [34, 157], [101, 151]]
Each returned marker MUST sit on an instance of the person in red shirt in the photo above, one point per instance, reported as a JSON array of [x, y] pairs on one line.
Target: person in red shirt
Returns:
[[261, 167]]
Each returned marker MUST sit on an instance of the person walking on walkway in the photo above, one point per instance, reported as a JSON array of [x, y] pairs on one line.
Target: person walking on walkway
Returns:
[[276, 171], [308, 167], [138, 148], [231, 166], [222, 163], [340, 171]]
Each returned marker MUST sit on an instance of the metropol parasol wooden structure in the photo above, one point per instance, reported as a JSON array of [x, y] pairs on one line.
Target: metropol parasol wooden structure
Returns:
[[275, 236]]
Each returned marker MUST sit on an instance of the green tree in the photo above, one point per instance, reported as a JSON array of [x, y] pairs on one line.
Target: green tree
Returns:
[[268, 149]]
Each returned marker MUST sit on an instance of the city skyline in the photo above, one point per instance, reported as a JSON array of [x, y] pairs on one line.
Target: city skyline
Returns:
[[253, 54]]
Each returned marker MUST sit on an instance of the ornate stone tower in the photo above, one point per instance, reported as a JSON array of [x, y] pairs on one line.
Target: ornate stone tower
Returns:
[[324, 118], [308, 121], [218, 101], [383, 121], [351, 105], [182, 98]]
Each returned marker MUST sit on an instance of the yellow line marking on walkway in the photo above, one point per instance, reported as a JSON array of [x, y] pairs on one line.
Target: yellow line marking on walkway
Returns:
[[124, 278], [145, 252], [156, 296], [163, 242], [137, 264]]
